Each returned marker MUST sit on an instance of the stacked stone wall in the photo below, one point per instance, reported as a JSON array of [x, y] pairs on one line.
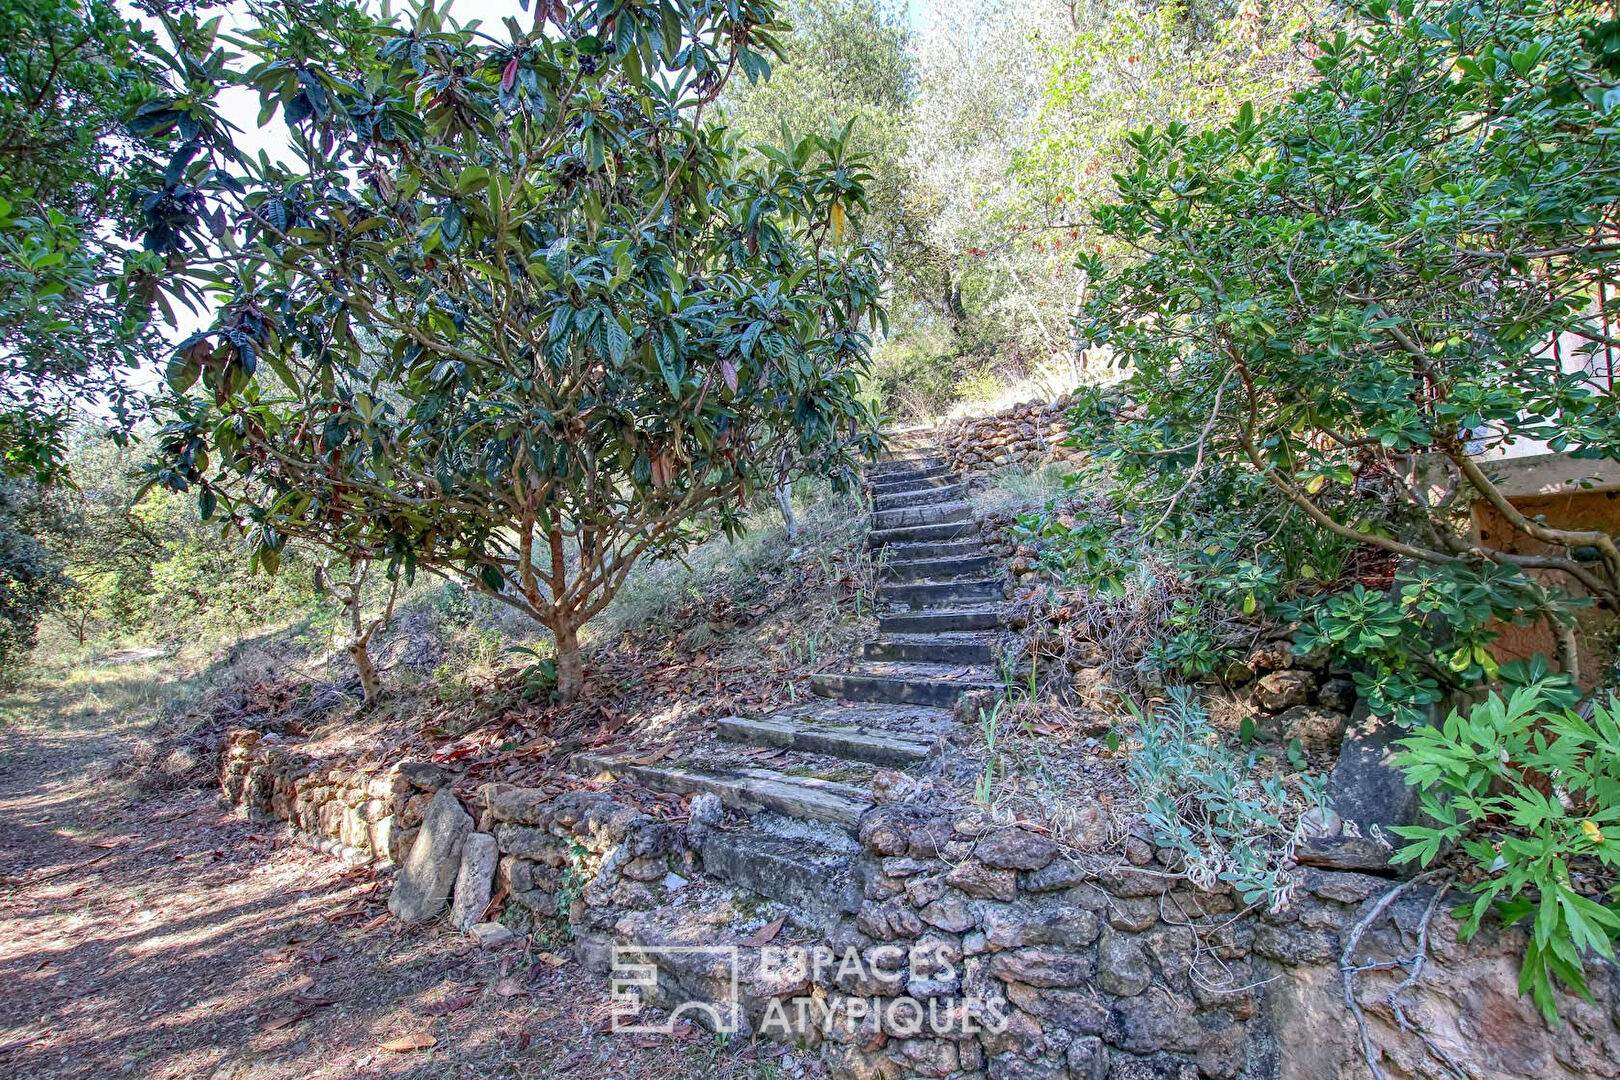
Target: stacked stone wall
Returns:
[[1022, 436], [1105, 968]]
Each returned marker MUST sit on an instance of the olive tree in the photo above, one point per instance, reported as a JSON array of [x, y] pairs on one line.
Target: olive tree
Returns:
[[515, 311]]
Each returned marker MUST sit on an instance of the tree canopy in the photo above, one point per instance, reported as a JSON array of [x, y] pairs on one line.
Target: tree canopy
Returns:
[[516, 311], [70, 72]]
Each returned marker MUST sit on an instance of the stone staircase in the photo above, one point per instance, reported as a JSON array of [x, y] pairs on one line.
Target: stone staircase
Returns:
[[892, 710]]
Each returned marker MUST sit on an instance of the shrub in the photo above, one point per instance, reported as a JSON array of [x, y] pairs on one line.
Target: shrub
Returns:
[[1300, 314], [1212, 806], [1530, 791], [31, 578]]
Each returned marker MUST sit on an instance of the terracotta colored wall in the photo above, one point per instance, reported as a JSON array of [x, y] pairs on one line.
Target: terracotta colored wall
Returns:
[[1574, 509]]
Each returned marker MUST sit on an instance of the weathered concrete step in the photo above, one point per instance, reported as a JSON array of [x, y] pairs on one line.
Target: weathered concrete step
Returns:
[[935, 478], [812, 878], [748, 790], [939, 621], [919, 534], [955, 566], [899, 554], [850, 743], [920, 594], [948, 648], [918, 496], [918, 684]]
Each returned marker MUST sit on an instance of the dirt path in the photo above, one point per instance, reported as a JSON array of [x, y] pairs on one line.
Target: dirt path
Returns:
[[172, 938]]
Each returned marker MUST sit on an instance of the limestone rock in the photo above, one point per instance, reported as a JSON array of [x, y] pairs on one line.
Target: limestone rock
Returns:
[[976, 879], [1031, 922], [950, 914], [1089, 825], [1122, 966], [1017, 1067], [706, 809], [1043, 967], [1344, 853], [1338, 695], [492, 936], [474, 880], [1318, 730], [425, 881], [1284, 689], [1016, 849], [1080, 1011], [1138, 852], [1088, 1058], [1153, 1022], [424, 775], [888, 920]]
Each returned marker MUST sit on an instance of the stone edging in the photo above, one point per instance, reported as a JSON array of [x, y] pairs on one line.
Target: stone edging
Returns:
[[1106, 969]]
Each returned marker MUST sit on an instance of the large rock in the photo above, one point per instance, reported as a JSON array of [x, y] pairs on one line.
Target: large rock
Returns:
[[425, 881], [1365, 786], [1043, 967], [475, 880]]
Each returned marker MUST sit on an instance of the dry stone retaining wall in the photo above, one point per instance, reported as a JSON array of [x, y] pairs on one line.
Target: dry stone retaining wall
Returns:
[[1024, 435], [1106, 969]]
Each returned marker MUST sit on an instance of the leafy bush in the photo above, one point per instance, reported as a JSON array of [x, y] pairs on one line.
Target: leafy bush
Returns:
[[1530, 791], [1212, 806], [31, 578], [1301, 317]]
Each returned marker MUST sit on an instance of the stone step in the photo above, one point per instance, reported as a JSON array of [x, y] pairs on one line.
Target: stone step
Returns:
[[945, 569], [896, 554], [918, 684], [745, 789], [929, 594], [933, 514], [900, 472], [948, 648], [934, 479], [907, 449], [918, 534], [923, 722], [851, 743], [918, 496], [939, 621], [815, 879]]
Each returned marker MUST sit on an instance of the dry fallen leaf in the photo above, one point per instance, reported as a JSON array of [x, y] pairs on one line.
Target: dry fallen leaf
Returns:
[[406, 1043], [452, 1002], [510, 987], [765, 934], [288, 1020]]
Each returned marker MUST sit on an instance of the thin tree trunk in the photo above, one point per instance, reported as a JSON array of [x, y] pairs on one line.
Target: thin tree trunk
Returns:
[[370, 681], [784, 497], [360, 634], [570, 664]]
